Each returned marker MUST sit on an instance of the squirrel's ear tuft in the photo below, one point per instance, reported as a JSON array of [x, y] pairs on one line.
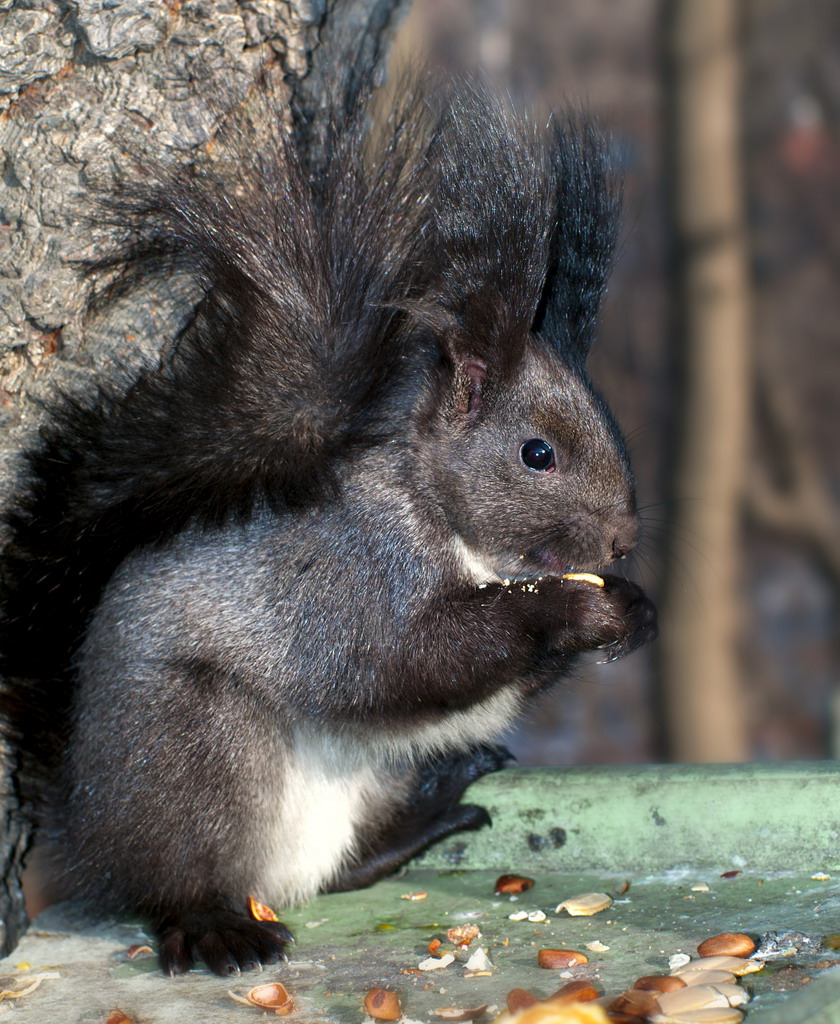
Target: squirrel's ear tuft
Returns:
[[586, 219]]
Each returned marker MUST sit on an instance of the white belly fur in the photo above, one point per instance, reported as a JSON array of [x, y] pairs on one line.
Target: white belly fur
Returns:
[[337, 786]]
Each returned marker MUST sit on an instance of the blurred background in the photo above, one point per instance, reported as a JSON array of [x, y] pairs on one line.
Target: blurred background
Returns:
[[717, 351]]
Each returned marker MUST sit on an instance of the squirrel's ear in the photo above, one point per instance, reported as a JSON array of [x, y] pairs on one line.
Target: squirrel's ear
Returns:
[[467, 367], [469, 375]]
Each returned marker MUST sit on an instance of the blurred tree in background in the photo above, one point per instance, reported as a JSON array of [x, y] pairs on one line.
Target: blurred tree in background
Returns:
[[718, 351]]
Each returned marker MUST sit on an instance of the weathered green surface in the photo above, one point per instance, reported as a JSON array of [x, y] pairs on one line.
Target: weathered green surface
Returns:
[[663, 830], [650, 818]]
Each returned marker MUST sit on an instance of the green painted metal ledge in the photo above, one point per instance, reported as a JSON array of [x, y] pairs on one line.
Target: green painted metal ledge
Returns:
[[705, 849]]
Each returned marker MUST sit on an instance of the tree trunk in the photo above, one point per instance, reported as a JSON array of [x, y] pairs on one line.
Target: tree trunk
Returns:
[[706, 718], [82, 82]]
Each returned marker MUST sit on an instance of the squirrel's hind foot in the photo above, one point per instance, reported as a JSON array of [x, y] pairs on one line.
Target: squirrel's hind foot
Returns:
[[226, 940]]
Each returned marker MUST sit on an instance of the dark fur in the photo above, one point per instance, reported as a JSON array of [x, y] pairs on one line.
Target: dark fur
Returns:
[[255, 547]]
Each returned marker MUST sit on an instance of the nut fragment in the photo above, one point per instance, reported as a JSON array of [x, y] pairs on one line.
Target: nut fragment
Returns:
[[558, 959], [383, 1004], [479, 960], [584, 577], [436, 963], [727, 944], [586, 904], [261, 912], [659, 983], [512, 885], [463, 934], [137, 950]]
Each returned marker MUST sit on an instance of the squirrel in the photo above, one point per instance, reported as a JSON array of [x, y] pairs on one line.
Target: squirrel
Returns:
[[269, 605]]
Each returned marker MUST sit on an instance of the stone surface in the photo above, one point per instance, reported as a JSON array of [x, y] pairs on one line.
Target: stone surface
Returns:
[[348, 943]]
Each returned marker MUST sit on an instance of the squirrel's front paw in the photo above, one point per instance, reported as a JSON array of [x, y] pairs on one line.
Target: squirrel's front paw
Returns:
[[227, 941], [615, 618]]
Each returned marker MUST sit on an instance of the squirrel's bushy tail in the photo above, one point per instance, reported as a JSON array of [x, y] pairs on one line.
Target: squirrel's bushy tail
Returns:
[[329, 295]]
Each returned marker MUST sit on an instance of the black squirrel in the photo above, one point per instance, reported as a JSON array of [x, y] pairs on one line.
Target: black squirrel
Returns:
[[268, 606]]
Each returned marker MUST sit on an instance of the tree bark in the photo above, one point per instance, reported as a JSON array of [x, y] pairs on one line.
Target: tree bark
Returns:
[[83, 82], [706, 719]]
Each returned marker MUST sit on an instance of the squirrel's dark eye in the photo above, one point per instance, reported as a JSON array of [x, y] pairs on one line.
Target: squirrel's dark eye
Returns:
[[538, 454]]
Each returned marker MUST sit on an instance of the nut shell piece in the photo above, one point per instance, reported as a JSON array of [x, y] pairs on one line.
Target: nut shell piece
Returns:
[[585, 905], [383, 1004], [273, 996]]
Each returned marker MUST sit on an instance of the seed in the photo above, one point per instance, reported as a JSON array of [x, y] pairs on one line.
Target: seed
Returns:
[[635, 1002], [735, 994], [705, 1015], [727, 944], [519, 999], [558, 959], [705, 977], [512, 885], [575, 991], [734, 964], [382, 1004], [693, 997], [659, 983]]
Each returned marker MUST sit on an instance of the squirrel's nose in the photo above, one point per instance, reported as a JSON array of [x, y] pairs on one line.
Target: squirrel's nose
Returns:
[[625, 536]]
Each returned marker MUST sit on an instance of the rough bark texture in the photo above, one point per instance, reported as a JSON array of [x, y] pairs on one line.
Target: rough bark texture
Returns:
[[706, 715], [82, 84]]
